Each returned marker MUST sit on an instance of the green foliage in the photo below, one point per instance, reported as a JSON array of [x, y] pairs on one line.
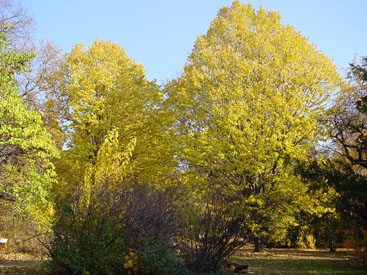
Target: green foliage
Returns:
[[26, 149], [159, 257], [325, 223], [91, 243], [130, 233], [88, 235], [108, 215]]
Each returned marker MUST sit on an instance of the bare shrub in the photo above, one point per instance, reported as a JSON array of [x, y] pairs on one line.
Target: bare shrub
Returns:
[[214, 231]]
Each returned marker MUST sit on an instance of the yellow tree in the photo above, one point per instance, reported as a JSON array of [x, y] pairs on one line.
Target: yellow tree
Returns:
[[99, 89], [249, 102]]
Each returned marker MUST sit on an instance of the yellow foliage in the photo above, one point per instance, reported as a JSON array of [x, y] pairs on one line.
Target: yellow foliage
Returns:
[[131, 263], [251, 102], [111, 166], [107, 102]]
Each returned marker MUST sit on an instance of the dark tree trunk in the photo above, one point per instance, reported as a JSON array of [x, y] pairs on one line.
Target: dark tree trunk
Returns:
[[332, 247], [259, 245]]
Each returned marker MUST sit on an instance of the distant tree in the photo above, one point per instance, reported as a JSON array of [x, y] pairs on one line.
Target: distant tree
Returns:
[[360, 70], [349, 120], [249, 103], [17, 24], [32, 82], [19, 27]]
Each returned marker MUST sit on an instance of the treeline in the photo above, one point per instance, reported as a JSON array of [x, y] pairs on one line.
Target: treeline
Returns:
[[258, 140]]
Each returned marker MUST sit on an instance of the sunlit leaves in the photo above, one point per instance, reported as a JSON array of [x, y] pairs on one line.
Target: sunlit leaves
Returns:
[[26, 149], [100, 89], [249, 103]]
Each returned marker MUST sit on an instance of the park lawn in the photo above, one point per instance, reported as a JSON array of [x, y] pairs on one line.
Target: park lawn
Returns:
[[273, 261], [17, 263], [300, 261]]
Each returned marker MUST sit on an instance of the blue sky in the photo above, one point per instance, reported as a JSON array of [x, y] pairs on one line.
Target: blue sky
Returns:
[[160, 34]]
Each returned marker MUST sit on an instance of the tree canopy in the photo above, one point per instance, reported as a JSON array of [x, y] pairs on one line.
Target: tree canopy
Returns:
[[99, 89], [230, 151], [26, 149], [249, 103]]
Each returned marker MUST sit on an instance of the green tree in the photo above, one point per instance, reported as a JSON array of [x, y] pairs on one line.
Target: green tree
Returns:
[[251, 101], [26, 149]]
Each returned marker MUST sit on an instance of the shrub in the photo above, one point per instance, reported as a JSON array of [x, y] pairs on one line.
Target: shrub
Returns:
[[88, 241], [215, 229], [150, 223], [119, 232]]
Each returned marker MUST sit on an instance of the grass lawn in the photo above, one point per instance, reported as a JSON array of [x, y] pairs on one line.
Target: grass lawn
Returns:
[[273, 261], [300, 261], [22, 264]]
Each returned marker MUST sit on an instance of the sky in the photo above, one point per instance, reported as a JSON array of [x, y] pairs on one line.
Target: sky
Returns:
[[160, 34]]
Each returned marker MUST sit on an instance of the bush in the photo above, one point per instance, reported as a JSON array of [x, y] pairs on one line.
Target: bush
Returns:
[[215, 229], [90, 242], [149, 226], [122, 232]]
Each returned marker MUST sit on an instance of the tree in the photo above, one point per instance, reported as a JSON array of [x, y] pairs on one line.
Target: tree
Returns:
[[98, 89], [320, 173], [17, 24], [349, 147], [26, 149], [20, 27], [348, 119], [250, 102], [32, 82], [106, 217]]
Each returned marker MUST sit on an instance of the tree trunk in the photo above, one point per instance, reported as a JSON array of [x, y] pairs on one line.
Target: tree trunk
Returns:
[[332, 247], [259, 245]]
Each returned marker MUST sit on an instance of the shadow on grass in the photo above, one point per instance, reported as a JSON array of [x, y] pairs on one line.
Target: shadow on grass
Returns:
[[15, 267], [298, 261]]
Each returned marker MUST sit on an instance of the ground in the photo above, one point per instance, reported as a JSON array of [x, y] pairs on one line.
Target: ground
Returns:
[[300, 261], [273, 261], [22, 263]]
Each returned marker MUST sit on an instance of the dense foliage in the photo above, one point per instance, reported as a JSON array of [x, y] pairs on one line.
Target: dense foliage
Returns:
[[258, 140], [26, 149], [249, 104]]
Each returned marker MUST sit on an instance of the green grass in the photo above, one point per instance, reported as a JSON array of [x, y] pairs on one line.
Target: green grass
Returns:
[[297, 261]]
